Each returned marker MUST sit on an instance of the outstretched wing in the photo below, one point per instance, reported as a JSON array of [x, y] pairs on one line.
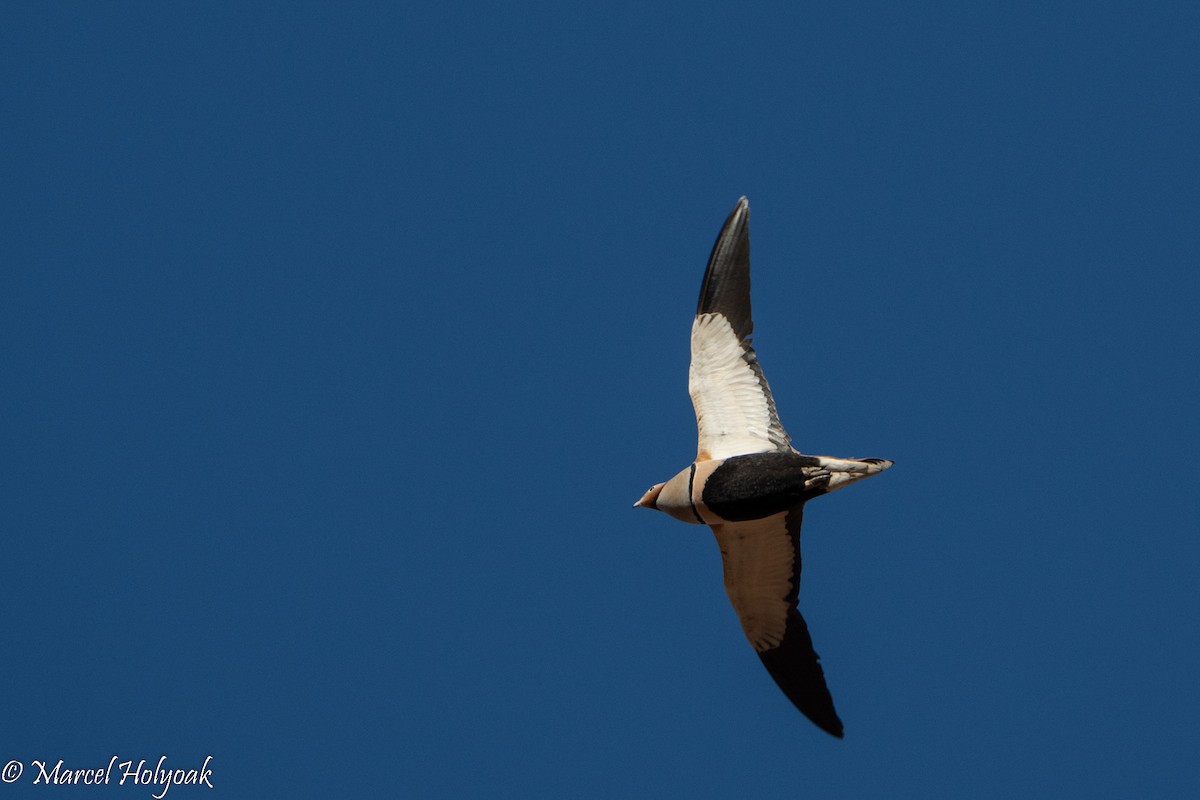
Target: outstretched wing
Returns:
[[735, 412], [762, 578]]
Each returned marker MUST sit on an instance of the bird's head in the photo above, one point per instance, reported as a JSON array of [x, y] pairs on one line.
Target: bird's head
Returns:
[[650, 498]]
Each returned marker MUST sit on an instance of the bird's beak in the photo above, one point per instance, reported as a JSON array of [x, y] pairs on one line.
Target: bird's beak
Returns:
[[650, 497]]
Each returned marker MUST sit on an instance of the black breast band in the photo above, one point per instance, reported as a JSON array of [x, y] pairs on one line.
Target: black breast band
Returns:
[[691, 494]]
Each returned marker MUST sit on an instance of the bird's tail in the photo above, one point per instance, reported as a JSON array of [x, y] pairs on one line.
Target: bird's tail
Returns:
[[845, 471]]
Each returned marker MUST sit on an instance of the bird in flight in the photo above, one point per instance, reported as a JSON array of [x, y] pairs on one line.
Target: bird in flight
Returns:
[[748, 483]]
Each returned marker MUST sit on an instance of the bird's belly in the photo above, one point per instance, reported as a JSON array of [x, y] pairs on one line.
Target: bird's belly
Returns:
[[758, 485]]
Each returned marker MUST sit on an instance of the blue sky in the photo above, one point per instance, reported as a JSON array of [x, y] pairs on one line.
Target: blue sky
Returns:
[[340, 337]]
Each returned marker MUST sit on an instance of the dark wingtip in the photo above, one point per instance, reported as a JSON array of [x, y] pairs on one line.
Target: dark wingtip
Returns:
[[836, 730], [726, 286], [796, 668]]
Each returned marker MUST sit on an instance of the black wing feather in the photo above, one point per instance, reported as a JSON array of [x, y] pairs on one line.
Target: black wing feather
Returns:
[[794, 664], [796, 668], [726, 286]]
